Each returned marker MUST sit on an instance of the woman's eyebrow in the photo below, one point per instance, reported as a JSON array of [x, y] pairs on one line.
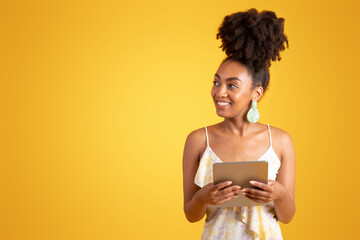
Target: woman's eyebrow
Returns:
[[228, 79]]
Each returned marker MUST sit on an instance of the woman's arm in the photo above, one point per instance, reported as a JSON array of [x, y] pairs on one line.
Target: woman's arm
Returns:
[[195, 198], [285, 204], [281, 191], [194, 210]]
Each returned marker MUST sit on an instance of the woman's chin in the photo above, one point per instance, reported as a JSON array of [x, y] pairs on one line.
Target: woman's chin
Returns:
[[222, 114]]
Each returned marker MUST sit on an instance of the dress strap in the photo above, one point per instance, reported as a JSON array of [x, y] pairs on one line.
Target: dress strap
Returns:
[[269, 134], [207, 138]]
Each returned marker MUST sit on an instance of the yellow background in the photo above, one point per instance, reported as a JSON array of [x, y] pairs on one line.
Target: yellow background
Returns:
[[97, 98]]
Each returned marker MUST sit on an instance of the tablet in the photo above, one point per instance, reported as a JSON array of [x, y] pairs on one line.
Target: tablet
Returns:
[[240, 173]]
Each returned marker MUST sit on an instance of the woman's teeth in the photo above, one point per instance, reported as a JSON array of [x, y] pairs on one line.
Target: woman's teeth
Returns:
[[223, 103]]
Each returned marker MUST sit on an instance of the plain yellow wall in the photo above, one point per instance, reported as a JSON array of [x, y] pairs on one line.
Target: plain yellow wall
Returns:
[[97, 98]]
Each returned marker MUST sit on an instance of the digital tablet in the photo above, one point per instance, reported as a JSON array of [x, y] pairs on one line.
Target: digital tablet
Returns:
[[240, 173]]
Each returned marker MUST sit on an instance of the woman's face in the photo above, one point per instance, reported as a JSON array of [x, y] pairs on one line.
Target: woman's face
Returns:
[[231, 92]]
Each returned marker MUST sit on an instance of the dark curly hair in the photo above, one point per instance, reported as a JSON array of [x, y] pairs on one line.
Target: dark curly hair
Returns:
[[253, 39]]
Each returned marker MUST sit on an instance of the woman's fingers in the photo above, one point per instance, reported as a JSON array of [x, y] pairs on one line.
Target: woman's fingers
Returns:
[[226, 199], [223, 192], [218, 186], [261, 185], [230, 192], [256, 200], [227, 194], [258, 197], [223, 188], [261, 195], [256, 192]]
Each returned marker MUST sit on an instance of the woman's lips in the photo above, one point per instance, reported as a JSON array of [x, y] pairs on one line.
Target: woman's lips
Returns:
[[222, 104]]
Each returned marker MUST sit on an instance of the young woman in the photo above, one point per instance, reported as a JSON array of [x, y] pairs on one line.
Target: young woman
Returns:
[[251, 40]]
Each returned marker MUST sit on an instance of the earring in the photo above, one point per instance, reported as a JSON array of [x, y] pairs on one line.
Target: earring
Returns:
[[253, 114]]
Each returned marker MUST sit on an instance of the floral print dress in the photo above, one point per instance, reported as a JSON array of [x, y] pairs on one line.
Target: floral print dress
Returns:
[[245, 223]]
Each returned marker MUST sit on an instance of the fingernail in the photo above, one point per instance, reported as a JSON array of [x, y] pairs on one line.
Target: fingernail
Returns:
[[229, 182], [252, 182]]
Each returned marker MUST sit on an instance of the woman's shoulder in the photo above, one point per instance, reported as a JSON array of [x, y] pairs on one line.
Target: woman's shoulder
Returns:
[[281, 139], [196, 140], [200, 133], [279, 134], [196, 134]]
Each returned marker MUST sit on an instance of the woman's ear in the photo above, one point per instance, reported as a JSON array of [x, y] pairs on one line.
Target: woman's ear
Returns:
[[258, 92]]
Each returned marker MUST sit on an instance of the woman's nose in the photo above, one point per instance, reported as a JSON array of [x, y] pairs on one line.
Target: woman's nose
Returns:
[[221, 91]]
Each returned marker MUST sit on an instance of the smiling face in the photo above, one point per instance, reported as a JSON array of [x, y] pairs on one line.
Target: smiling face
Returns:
[[232, 90]]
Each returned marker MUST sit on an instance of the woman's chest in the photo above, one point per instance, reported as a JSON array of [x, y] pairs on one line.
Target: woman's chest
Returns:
[[239, 153]]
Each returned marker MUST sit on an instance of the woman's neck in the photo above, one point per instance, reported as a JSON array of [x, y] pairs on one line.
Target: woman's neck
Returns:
[[238, 127]]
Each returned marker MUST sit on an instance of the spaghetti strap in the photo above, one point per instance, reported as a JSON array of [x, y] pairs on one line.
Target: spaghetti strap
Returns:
[[269, 134], [207, 138]]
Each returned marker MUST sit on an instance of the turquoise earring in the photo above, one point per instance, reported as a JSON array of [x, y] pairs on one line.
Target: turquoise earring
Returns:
[[253, 114]]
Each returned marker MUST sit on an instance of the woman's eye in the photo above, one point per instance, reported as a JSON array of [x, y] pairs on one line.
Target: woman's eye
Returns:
[[232, 85], [215, 82]]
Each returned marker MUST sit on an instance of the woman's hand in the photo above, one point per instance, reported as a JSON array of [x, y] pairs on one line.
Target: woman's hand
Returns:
[[268, 192], [214, 194]]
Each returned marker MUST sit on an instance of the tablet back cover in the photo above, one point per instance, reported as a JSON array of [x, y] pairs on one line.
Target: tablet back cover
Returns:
[[240, 173]]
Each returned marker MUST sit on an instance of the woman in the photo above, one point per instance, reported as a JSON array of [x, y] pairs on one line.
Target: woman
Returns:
[[251, 40]]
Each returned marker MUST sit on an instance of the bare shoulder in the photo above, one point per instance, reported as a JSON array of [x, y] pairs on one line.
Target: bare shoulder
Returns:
[[197, 136], [196, 141], [280, 135], [282, 141]]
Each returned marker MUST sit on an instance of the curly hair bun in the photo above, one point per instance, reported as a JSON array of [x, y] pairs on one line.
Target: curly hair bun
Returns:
[[253, 38]]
